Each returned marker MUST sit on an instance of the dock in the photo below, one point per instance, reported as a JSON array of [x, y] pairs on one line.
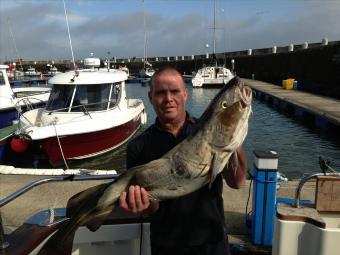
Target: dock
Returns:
[[324, 110]]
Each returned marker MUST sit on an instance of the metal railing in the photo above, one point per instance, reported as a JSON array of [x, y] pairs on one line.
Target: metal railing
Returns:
[[304, 180], [3, 243]]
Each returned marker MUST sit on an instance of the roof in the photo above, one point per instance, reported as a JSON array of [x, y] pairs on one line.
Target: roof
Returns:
[[88, 77]]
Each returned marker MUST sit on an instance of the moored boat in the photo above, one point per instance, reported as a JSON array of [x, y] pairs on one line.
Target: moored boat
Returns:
[[86, 115], [214, 75], [32, 72], [17, 100]]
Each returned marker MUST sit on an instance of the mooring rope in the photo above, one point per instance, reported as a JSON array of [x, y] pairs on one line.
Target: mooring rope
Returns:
[[61, 149]]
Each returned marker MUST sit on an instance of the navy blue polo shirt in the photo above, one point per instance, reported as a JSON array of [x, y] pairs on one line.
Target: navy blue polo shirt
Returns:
[[192, 220]]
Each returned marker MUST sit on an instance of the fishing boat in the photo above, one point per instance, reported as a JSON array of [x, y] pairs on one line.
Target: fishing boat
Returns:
[[14, 101], [214, 74], [313, 229], [87, 114], [122, 233]]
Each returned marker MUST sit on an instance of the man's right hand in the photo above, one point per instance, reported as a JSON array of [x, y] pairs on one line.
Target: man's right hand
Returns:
[[136, 200]]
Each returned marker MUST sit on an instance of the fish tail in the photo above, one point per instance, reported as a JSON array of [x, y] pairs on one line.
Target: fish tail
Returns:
[[60, 243]]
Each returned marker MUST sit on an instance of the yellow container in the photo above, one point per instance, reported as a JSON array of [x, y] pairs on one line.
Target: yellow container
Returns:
[[288, 84]]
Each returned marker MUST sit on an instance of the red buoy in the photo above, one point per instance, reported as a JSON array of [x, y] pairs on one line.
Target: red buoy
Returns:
[[19, 145]]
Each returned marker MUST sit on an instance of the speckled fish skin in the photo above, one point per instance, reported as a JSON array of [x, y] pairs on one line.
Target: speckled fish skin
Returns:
[[190, 165]]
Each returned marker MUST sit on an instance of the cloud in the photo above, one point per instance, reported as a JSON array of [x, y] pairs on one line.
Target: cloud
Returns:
[[40, 30]]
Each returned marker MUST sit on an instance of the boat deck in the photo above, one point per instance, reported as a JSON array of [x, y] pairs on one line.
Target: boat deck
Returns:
[[57, 194], [325, 107]]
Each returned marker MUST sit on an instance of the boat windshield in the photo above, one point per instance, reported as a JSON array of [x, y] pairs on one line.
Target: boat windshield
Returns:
[[95, 97], [60, 98]]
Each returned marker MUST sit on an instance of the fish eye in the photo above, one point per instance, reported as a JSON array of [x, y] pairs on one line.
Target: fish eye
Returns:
[[224, 104]]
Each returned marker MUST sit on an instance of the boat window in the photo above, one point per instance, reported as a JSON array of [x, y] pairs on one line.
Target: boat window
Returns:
[[115, 94], [60, 98], [91, 97]]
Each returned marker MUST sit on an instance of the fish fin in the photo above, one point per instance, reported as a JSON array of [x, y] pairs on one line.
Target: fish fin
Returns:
[[215, 169], [61, 242], [78, 200], [233, 162], [98, 220]]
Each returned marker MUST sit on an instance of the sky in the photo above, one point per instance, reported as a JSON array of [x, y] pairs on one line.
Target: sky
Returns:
[[37, 29]]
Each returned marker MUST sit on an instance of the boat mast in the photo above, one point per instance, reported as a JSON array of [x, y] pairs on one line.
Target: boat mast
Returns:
[[214, 41], [15, 45], [145, 37]]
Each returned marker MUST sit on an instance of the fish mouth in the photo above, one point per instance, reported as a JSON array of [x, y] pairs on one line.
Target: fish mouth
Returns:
[[246, 96]]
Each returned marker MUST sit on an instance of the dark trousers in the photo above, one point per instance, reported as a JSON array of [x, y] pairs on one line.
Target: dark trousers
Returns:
[[221, 248]]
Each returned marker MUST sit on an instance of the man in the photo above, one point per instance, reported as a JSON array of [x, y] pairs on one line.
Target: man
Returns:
[[192, 224]]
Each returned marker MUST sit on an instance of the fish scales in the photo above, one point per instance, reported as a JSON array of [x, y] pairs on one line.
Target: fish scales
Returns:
[[187, 167]]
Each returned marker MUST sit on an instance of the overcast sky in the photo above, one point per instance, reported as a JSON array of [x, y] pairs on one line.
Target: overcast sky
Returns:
[[174, 27]]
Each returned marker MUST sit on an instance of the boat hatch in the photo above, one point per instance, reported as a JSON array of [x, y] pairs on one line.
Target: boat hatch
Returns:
[[77, 98]]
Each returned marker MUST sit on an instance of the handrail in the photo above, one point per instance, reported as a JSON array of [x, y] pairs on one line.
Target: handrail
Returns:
[[304, 180], [33, 184]]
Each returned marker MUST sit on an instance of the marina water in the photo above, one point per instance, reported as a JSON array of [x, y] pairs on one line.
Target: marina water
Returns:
[[298, 144]]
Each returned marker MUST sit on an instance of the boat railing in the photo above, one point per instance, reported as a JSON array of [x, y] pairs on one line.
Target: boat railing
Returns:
[[305, 179], [23, 190]]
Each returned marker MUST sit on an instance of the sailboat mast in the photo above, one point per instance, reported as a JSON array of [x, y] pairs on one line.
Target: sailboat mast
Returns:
[[214, 42], [145, 42], [15, 45]]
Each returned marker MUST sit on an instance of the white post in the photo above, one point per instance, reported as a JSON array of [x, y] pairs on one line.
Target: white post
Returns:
[[168, 58], [182, 57], [250, 51], [156, 59], [176, 58], [274, 49], [192, 57], [325, 41], [207, 55], [305, 45], [291, 47]]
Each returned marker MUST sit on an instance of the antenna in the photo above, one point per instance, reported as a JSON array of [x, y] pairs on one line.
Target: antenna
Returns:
[[69, 35]]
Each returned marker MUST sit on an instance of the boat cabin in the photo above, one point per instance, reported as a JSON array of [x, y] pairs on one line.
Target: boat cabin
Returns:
[[91, 89], [77, 98]]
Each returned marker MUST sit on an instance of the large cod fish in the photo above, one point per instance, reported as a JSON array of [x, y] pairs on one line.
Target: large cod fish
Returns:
[[190, 165]]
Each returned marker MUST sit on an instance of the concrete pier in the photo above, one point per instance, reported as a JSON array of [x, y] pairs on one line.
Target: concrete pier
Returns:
[[324, 109]]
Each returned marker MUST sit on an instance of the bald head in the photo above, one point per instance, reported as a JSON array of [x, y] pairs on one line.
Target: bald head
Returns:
[[166, 71]]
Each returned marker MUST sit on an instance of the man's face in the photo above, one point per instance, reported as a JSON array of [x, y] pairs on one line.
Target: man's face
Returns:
[[168, 97]]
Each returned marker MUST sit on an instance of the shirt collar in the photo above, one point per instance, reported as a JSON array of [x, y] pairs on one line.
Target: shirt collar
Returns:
[[188, 119]]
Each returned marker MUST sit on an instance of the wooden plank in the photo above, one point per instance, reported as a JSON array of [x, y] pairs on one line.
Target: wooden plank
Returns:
[[327, 195]]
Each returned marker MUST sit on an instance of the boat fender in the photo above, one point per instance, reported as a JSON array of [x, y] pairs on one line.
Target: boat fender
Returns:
[[19, 144]]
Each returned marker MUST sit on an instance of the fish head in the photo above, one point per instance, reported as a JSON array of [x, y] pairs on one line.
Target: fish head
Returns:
[[225, 120]]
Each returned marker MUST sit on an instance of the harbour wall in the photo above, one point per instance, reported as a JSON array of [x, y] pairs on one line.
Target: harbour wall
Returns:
[[316, 66]]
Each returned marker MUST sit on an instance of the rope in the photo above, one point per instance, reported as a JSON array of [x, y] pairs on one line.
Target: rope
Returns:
[[33, 171], [61, 149]]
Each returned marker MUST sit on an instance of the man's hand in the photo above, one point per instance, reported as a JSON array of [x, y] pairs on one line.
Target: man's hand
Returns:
[[136, 200]]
